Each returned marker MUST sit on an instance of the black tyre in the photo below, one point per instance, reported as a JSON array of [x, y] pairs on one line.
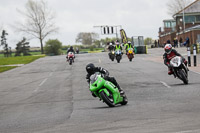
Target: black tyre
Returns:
[[183, 76], [125, 100], [118, 58], [130, 59], [70, 62], [108, 100]]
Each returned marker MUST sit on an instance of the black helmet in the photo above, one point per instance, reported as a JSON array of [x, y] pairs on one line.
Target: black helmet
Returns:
[[71, 47], [90, 68], [168, 42]]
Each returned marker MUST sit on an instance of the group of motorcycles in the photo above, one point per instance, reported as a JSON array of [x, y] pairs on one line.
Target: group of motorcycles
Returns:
[[118, 55], [109, 93]]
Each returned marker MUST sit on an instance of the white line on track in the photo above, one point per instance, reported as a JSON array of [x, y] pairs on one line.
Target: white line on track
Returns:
[[189, 131], [99, 61], [43, 82], [195, 72], [40, 85], [165, 84]]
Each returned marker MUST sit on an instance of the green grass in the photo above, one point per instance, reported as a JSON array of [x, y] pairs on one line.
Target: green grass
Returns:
[[32, 53], [18, 60], [6, 68]]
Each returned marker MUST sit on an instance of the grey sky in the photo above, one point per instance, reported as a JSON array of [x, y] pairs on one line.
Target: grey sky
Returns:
[[137, 17]]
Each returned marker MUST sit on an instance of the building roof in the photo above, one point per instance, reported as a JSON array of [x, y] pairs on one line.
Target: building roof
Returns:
[[192, 8], [192, 28], [167, 20]]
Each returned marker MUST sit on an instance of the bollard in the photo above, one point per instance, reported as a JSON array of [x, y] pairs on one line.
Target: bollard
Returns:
[[195, 55], [189, 59]]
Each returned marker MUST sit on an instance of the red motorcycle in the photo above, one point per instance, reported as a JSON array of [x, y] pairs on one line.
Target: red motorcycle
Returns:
[[130, 54], [70, 57]]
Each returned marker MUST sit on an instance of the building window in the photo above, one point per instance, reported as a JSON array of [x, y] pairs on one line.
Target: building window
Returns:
[[167, 24], [198, 18], [189, 19]]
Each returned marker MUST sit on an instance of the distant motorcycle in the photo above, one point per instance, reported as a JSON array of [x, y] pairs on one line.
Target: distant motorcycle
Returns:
[[77, 51], [106, 90], [70, 57], [118, 55], [130, 54], [179, 69], [112, 55]]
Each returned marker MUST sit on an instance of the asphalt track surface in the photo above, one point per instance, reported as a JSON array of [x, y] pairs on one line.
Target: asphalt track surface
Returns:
[[50, 96]]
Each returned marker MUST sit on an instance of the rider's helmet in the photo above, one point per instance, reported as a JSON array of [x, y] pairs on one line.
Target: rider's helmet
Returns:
[[110, 44], [168, 48], [129, 42], [168, 42], [90, 68], [71, 47], [117, 43]]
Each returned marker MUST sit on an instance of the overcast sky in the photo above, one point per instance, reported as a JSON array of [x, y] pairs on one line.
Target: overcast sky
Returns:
[[137, 17]]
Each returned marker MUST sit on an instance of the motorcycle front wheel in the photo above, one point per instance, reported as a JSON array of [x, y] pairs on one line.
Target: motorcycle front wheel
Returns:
[[125, 100], [70, 62], [183, 76], [108, 100]]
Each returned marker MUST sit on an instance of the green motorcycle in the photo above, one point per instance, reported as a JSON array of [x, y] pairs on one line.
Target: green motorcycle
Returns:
[[106, 91]]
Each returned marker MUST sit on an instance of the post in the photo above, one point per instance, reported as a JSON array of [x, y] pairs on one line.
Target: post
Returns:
[[189, 59], [195, 55]]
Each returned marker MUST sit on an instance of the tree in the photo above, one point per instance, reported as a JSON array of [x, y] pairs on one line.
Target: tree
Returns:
[[1, 28], [39, 21], [147, 41], [22, 47], [53, 47], [4, 43], [87, 38], [174, 6]]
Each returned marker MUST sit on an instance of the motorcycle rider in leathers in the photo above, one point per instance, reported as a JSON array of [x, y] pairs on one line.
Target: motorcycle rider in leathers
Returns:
[[169, 54], [71, 49], [129, 45], [91, 69]]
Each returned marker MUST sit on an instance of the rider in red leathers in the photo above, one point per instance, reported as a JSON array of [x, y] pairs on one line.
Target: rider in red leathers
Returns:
[[169, 54]]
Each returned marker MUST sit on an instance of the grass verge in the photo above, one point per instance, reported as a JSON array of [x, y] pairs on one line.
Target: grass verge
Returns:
[[19, 60], [6, 68], [16, 60]]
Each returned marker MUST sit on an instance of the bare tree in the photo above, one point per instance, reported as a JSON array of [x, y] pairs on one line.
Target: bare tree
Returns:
[[39, 21], [1, 28], [87, 38], [174, 6]]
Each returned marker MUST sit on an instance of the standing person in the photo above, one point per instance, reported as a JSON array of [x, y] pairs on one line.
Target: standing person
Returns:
[[187, 42], [155, 42], [181, 41], [174, 42]]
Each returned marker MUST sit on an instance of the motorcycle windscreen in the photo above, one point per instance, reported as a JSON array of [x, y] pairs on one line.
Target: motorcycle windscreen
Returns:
[[176, 61]]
